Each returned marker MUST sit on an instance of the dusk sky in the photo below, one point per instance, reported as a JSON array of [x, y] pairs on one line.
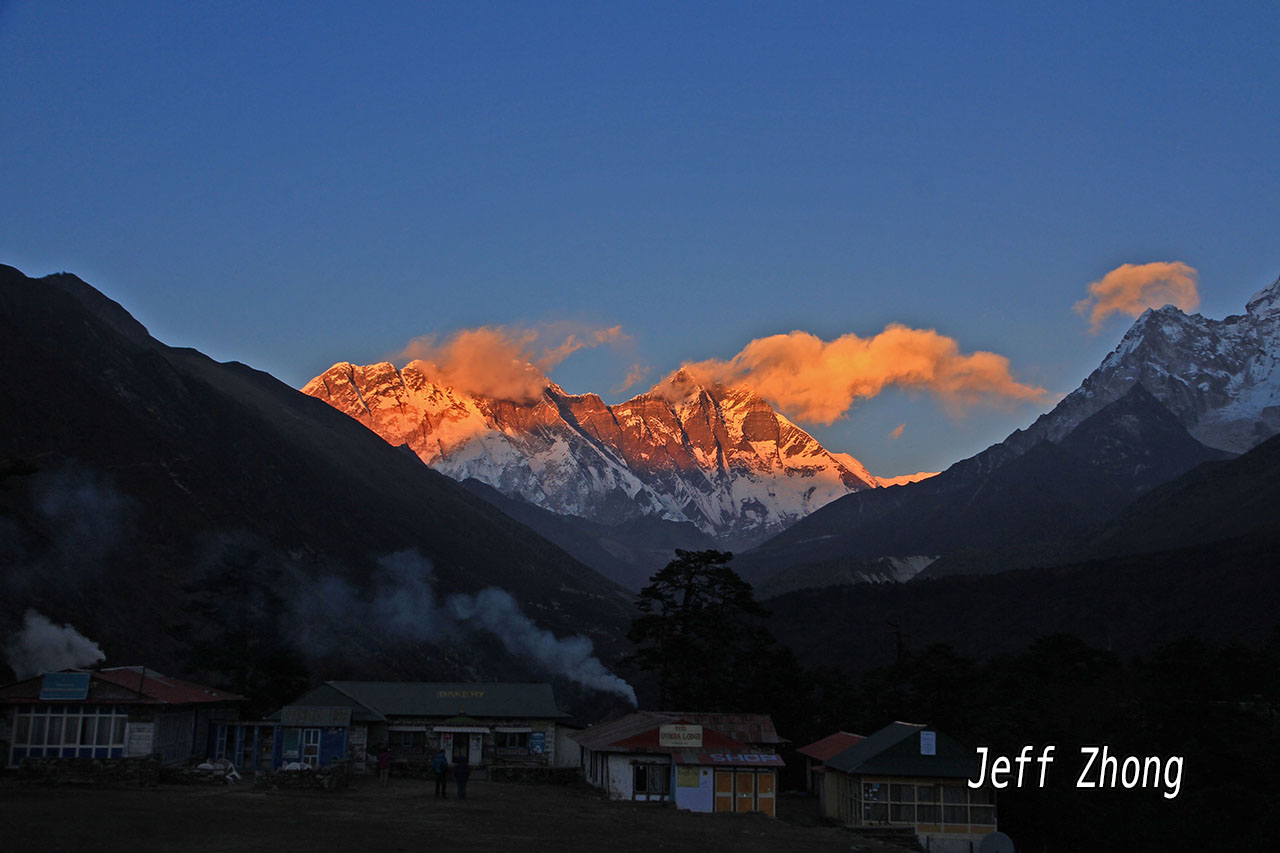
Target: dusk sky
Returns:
[[292, 185]]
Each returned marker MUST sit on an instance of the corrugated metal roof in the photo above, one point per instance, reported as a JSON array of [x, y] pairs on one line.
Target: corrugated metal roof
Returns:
[[127, 685], [436, 699], [821, 750], [895, 751], [638, 732], [603, 735], [747, 728]]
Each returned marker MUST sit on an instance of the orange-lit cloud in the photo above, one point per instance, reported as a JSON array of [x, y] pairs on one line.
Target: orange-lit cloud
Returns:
[[817, 381], [1133, 288], [896, 432], [636, 373], [499, 361]]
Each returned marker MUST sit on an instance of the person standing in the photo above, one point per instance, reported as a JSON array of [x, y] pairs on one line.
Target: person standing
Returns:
[[461, 770], [440, 765], [384, 764]]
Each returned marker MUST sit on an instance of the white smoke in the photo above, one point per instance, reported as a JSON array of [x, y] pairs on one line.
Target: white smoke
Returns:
[[42, 646], [403, 602], [495, 610], [403, 598]]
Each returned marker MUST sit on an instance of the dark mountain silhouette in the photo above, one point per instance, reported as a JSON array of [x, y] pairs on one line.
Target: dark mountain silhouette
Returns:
[[628, 553], [1031, 508], [138, 481]]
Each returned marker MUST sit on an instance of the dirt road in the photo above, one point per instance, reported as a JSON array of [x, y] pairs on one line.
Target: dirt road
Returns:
[[400, 817]]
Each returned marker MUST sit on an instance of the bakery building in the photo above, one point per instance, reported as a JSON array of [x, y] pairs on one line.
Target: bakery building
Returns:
[[488, 724]]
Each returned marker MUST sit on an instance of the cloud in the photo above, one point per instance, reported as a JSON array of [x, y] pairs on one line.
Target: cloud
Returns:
[[506, 363], [818, 381], [896, 432], [1132, 288], [636, 373]]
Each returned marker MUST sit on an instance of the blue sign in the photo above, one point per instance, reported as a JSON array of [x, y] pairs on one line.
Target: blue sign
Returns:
[[538, 742], [64, 687]]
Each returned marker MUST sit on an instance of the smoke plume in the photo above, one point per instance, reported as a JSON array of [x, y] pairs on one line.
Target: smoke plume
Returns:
[[42, 646], [403, 604], [503, 362], [496, 611], [1132, 288], [818, 381]]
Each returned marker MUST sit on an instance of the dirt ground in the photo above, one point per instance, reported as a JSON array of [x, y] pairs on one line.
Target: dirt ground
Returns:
[[402, 816]]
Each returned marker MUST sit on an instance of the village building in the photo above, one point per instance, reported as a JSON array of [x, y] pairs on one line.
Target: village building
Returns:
[[817, 753], [119, 712], [703, 762], [488, 724], [910, 775]]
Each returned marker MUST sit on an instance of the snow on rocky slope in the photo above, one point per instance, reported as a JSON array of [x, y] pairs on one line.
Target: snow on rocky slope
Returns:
[[718, 457], [1221, 378]]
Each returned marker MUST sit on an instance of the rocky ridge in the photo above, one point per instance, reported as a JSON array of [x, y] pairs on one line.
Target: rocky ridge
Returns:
[[720, 457]]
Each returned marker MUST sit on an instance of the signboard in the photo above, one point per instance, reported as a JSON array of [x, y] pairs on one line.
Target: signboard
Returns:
[[928, 743], [687, 777], [675, 734], [140, 740], [64, 687], [315, 717], [731, 759], [538, 742]]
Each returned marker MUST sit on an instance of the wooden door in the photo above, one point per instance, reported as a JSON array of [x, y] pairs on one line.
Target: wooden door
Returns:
[[745, 793], [724, 790], [766, 780]]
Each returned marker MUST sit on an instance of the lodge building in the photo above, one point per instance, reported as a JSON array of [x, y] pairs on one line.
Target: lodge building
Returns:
[[910, 775], [703, 762], [117, 712]]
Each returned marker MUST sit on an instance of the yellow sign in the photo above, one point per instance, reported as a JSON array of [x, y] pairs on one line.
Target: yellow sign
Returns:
[[687, 777]]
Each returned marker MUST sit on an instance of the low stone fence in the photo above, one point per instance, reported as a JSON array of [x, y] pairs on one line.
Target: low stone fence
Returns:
[[535, 775], [91, 771]]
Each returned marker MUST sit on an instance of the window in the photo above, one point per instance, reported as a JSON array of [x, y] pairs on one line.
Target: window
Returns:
[[509, 743], [888, 801], [311, 747], [403, 742], [651, 780], [88, 731]]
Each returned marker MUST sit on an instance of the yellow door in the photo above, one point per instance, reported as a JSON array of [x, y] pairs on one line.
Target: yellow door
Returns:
[[724, 791], [746, 794], [765, 782]]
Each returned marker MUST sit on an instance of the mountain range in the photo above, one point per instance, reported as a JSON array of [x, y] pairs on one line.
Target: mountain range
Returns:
[[1177, 391], [716, 457]]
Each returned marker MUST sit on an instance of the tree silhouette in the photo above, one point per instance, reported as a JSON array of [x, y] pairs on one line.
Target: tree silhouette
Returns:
[[702, 633]]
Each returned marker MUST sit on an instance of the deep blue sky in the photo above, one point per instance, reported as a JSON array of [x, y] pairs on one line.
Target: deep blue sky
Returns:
[[291, 185]]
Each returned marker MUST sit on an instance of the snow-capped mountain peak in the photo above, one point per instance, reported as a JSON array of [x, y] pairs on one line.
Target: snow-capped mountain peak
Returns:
[[1221, 378], [719, 456]]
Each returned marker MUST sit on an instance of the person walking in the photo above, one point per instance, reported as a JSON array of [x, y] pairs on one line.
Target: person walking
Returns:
[[440, 765], [461, 770], [384, 764]]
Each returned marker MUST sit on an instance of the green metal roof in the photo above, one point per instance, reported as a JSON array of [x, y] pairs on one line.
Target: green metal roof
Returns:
[[895, 750], [436, 699]]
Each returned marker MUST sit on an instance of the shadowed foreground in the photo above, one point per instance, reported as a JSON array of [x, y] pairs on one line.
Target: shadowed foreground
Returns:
[[402, 816]]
